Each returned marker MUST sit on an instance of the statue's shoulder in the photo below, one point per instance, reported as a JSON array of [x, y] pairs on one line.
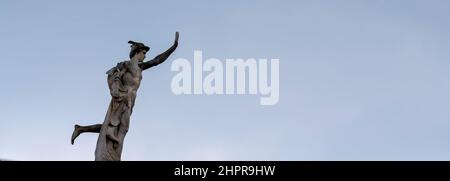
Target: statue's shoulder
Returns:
[[119, 67]]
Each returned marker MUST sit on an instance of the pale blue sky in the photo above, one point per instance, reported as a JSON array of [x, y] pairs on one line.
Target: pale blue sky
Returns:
[[359, 80]]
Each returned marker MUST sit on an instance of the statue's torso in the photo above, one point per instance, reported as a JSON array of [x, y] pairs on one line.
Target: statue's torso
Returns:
[[119, 113], [132, 80]]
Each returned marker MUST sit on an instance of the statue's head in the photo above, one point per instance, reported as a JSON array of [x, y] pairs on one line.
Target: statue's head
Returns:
[[138, 49]]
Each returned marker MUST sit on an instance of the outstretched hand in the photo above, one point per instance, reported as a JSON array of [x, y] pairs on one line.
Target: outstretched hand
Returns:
[[176, 37]]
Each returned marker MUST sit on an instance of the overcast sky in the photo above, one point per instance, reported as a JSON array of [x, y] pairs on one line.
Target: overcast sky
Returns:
[[359, 80]]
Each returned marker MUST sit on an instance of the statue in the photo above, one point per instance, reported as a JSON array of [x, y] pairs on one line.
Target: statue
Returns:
[[123, 81]]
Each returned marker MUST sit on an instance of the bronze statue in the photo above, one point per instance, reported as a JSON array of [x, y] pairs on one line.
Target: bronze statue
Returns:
[[123, 81]]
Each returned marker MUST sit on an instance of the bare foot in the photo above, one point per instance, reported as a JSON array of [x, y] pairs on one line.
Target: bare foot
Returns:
[[75, 133]]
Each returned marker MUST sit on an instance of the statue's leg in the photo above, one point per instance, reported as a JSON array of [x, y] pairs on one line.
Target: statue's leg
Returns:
[[81, 129]]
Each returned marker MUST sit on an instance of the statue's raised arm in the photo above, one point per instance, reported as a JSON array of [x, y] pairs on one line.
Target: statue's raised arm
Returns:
[[161, 57]]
